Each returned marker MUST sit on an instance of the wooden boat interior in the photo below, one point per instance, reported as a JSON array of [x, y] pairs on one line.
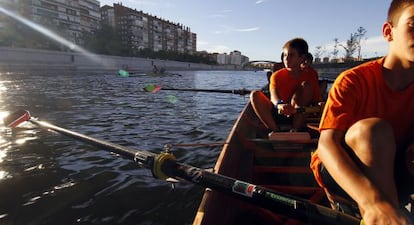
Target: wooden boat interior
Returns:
[[249, 155]]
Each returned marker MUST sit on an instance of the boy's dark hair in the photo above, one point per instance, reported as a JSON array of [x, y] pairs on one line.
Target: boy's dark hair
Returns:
[[299, 44], [395, 9], [309, 57]]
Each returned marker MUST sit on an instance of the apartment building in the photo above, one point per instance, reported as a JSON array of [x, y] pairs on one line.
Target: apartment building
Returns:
[[140, 30], [73, 18], [234, 58], [90, 15], [69, 17]]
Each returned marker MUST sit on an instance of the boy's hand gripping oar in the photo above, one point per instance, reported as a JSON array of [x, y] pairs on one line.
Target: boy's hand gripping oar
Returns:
[[164, 165], [155, 88], [305, 110]]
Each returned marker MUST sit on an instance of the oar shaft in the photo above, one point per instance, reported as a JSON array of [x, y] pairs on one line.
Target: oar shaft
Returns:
[[279, 203], [140, 156], [240, 92], [164, 165]]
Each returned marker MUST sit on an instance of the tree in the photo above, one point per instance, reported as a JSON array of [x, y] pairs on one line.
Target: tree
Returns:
[[359, 35], [350, 47], [105, 41], [319, 51], [335, 50]]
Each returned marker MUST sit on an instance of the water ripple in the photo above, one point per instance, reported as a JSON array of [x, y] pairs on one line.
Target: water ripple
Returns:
[[47, 178]]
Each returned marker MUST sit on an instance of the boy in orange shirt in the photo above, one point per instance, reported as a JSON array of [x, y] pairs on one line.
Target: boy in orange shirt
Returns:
[[367, 125], [290, 87]]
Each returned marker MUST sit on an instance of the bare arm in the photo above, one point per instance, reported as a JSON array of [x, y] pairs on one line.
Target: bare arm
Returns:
[[375, 208], [274, 96], [341, 167], [286, 108]]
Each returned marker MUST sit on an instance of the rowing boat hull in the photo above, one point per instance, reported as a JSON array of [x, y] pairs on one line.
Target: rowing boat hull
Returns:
[[249, 156]]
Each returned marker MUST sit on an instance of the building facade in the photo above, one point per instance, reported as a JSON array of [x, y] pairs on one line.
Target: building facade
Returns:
[[143, 31], [234, 58], [72, 19], [68, 17]]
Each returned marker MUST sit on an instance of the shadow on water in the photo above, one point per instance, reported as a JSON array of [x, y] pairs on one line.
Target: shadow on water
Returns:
[[46, 178]]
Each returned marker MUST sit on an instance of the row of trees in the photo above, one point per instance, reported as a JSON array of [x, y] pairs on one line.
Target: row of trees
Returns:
[[105, 40], [352, 45]]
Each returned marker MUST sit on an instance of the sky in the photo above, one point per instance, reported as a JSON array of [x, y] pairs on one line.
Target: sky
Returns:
[[259, 28]]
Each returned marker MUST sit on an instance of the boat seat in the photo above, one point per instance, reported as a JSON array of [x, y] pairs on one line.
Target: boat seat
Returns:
[[291, 140], [290, 136]]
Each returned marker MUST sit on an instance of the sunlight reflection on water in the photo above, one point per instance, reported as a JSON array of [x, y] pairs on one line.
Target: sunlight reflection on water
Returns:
[[47, 32], [60, 180]]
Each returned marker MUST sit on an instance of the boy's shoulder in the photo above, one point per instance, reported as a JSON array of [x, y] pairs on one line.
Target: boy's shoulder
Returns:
[[280, 72], [375, 65], [364, 70]]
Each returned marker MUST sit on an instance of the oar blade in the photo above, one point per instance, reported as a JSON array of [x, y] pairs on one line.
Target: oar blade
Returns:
[[16, 118]]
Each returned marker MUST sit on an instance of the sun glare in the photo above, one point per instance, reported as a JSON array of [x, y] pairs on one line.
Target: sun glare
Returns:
[[3, 88], [3, 114], [3, 174], [48, 33]]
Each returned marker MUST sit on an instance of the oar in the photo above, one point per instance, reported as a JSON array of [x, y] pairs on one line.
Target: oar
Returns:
[[155, 88], [164, 165], [124, 73]]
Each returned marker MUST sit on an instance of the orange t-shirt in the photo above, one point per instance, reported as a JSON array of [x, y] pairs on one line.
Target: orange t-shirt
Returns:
[[361, 93], [286, 85]]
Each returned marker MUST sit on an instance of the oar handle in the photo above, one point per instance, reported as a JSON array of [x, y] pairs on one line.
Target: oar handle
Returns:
[[306, 110]]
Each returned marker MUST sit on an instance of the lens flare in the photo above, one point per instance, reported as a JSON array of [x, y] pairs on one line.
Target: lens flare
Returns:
[[48, 33], [123, 73], [172, 99], [152, 88]]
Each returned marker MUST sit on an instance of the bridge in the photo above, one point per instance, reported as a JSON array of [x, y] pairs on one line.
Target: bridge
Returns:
[[263, 64]]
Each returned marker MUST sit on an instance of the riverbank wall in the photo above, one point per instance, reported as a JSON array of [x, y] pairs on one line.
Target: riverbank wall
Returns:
[[24, 60], [331, 70], [35, 60]]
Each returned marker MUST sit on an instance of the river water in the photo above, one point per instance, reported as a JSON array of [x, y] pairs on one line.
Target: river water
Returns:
[[46, 178]]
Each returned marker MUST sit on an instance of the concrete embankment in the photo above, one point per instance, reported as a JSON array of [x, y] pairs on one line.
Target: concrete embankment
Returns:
[[332, 70], [43, 61], [35, 60]]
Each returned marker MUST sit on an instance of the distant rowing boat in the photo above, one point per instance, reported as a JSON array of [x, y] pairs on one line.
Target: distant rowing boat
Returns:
[[124, 73]]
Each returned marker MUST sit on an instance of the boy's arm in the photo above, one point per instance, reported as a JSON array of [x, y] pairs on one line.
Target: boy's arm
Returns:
[[354, 182], [274, 97], [340, 165]]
